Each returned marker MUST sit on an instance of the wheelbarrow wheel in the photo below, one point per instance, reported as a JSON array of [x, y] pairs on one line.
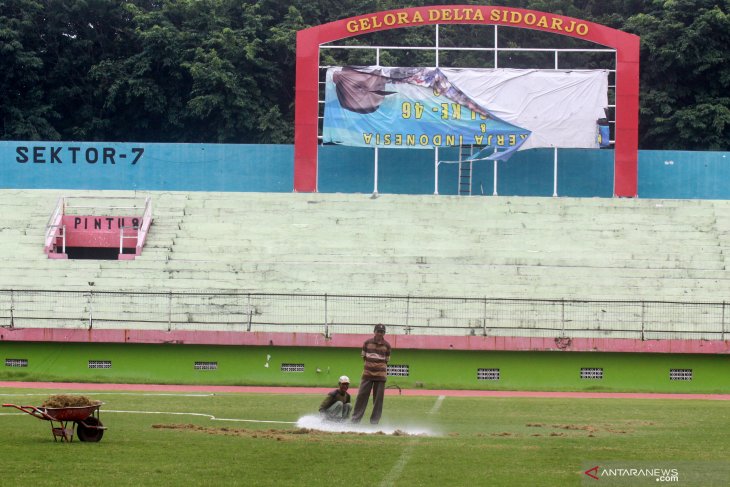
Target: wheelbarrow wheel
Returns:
[[89, 429]]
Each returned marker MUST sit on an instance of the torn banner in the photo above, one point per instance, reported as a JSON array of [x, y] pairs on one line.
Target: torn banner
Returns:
[[410, 108]]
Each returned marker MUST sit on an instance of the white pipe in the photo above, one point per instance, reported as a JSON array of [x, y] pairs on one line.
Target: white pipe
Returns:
[[437, 45], [375, 184], [436, 170], [496, 47], [555, 171], [494, 191], [483, 49]]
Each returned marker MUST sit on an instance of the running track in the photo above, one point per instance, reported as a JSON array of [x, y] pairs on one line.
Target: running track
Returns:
[[75, 386]]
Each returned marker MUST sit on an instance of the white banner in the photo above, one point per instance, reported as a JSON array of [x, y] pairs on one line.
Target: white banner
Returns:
[[559, 107]]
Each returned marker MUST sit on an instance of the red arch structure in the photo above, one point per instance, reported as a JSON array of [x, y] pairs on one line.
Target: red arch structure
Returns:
[[627, 73]]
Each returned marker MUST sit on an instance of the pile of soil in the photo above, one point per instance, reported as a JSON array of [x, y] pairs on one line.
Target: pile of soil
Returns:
[[68, 401], [279, 435]]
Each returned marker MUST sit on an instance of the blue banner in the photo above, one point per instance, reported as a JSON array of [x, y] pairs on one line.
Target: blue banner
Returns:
[[414, 108]]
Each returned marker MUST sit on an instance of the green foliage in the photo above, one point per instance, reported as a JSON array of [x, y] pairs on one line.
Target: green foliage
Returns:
[[24, 110], [224, 70], [685, 74]]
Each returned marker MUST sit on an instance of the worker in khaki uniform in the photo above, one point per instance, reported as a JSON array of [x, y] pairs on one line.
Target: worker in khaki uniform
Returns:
[[376, 354]]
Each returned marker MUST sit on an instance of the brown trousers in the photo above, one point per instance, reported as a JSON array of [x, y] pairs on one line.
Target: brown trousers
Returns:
[[363, 395]]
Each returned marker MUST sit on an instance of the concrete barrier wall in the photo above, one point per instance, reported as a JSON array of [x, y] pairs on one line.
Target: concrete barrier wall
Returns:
[[411, 368], [150, 167], [684, 174], [270, 168], [581, 173]]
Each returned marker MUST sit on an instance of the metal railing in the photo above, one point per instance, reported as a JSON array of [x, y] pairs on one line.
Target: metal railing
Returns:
[[54, 226], [342, 314], [54, 232], [110, 205], [145, 225], [122, 237]]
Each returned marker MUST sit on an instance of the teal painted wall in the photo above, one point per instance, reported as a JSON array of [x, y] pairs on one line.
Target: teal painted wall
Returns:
[[146, 166], [684, 174], [581, 172], [270, 168], [431, 369]]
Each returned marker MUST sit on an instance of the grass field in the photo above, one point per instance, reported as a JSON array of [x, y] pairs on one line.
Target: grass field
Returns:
[[155, 439]]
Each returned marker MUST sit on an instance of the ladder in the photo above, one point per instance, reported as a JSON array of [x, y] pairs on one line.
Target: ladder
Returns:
[[465, 169]]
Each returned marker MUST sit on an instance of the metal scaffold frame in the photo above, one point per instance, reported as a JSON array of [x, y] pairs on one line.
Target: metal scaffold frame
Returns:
[[311, 42]]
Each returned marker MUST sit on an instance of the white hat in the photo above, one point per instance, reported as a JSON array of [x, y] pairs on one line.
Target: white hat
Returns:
[[344, 380]]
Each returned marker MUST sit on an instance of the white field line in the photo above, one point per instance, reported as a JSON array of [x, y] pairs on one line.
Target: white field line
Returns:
[[437, 405], [103, 393], [94, 393], [397, 469], [395, 472], [209, 416]]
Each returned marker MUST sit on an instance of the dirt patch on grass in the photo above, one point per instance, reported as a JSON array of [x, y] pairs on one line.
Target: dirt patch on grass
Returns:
[[592, 430], [638, 422], [576, 427], [561, 430], [270, 434]]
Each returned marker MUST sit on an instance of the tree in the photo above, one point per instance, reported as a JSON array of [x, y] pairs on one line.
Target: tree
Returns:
[[78, 35], [685, 74], [224, 70], [199, 74], [24, 111]]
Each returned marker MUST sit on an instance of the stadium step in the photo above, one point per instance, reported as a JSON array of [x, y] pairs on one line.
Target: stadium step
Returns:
[[550, 248]]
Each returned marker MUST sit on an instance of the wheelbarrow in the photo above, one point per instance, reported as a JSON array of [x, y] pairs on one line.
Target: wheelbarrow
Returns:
[[84, 418]]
